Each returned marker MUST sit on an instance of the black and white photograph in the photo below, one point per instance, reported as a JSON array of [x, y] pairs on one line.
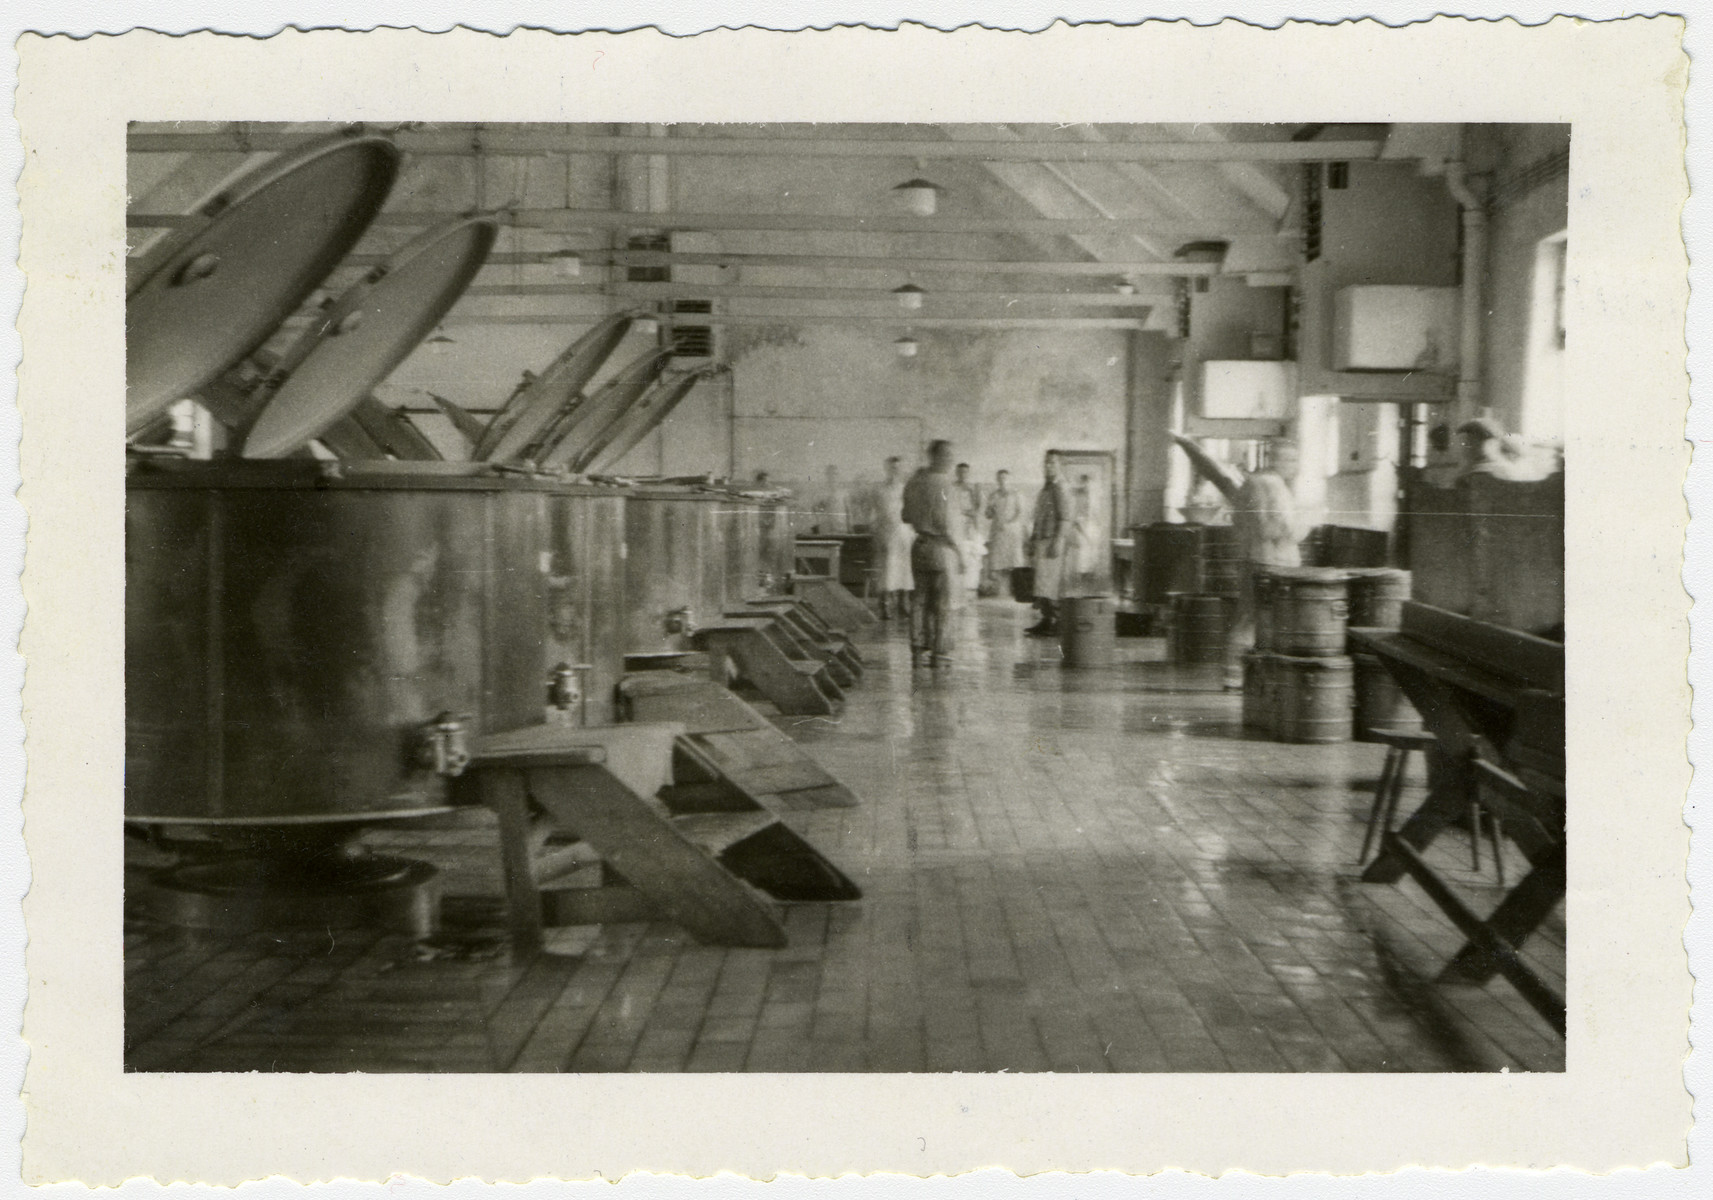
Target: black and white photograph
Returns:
[[845, 597], [1107, 600]]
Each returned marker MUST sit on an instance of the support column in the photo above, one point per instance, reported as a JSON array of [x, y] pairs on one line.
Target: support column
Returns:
[[1147, 421]]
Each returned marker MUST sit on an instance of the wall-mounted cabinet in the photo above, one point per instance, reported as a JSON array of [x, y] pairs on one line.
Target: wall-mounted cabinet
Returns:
[[1374, 225], [1247, 390], [1395, 327], [1236, 341]]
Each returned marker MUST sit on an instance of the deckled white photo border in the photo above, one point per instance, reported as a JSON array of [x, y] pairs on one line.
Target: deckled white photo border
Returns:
[[1619, 1103]]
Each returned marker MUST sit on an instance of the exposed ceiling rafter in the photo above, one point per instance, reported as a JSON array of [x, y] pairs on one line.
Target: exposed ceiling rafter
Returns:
[[509, 140], [695, 291], [892, 319], [891, 264], [585, 219]]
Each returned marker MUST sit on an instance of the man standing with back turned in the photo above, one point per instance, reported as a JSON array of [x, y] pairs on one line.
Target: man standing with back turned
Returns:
[[934, 557], [1048, 538]]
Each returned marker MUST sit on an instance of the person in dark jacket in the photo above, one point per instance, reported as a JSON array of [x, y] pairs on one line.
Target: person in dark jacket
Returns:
[[1048, 535], [935, 561]]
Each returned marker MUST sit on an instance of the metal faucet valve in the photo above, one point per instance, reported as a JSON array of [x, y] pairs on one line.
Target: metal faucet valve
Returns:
[[444, 745], [565, 685]]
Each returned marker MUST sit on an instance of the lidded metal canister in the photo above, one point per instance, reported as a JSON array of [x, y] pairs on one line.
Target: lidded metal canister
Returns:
[[1088, 631], [1198, 629], [1309, 609], [1167, 561], [1221, 560], [1313, 699], [1377, 596], [1258, 690], [1261, 580]]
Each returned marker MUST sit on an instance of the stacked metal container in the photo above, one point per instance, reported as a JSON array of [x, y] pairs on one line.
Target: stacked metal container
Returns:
[[1298, 680], [1377, 598], [1300, 683], [1187, 575]]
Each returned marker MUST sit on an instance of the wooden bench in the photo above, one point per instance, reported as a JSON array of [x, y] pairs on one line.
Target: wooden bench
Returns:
[[1493, 698]]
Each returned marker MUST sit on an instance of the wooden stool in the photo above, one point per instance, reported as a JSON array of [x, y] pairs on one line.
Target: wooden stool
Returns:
[[1385, 807], [1398, 747]]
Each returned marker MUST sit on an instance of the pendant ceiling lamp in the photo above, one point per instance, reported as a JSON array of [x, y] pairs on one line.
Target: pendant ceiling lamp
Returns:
[[906, 346], [909, 296], [440, 340], [567, 264], [918, 196]]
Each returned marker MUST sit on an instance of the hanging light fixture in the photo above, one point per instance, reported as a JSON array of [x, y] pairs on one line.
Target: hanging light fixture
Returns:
[[906, 346], [567, 264], [918, 196], [647, 326], [438, 342], [1126, 288], [909, 296]]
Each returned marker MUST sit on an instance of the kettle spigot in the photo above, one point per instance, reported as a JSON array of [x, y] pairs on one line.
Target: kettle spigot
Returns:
[[443, 745]]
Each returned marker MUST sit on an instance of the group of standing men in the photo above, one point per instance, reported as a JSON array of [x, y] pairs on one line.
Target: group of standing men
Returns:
[[930, 552]]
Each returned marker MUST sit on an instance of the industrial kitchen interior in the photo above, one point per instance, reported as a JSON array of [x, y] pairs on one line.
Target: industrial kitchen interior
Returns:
[[845, 598]]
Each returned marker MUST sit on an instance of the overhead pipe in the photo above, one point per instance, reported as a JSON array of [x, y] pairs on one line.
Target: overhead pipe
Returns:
[[1474, 216]]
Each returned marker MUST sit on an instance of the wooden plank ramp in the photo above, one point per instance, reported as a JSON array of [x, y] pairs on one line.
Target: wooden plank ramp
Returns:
[[835, 604], [731, 739], [762, 653], [595, 784], [655, 833]]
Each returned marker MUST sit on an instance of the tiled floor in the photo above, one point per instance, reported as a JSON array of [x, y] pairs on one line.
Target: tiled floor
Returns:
[[1063, 870]]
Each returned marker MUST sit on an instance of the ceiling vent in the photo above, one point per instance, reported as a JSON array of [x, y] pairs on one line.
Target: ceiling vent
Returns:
[[689, 339], [692, 342]]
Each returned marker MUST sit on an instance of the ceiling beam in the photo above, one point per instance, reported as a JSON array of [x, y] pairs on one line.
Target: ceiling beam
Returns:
[[586, 218], [697, 291], [1041, 186], [895, 320], [877, 262], [528, 140]]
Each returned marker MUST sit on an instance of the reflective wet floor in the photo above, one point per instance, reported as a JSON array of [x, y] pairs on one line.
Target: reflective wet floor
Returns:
[[1064, 870]]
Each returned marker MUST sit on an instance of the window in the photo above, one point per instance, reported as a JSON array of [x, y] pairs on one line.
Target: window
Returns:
[[1542, 416]]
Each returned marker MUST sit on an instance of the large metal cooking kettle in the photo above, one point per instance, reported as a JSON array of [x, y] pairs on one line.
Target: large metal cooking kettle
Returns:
[[355, 341], [219, 285]]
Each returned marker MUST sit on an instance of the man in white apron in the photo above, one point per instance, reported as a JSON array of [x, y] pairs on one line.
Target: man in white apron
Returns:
[[1005, 551], [892, 538]]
